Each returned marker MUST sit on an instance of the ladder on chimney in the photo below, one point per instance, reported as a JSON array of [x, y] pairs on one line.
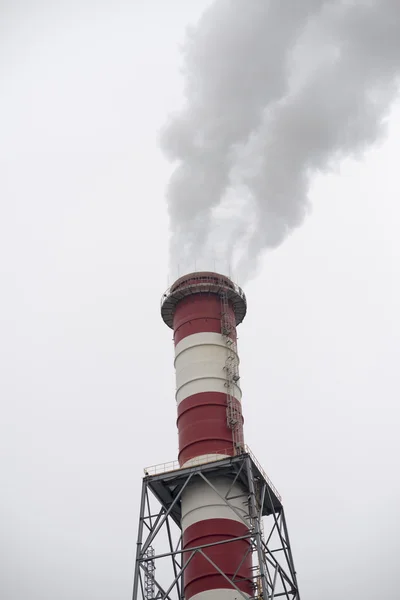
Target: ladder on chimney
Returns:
[[231, 368]]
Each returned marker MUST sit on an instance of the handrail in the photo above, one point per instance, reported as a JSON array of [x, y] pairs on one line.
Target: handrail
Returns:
[[174, 465], [206, 281], [263, 473]]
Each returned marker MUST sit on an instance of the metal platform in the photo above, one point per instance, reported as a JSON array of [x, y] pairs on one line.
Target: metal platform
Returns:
[[203, 283], [167, 487]]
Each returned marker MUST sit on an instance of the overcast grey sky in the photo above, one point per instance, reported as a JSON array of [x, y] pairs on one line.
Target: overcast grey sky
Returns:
[[87, 381]]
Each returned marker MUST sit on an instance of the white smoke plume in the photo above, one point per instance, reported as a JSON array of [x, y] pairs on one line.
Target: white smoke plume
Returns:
[[275, 91]]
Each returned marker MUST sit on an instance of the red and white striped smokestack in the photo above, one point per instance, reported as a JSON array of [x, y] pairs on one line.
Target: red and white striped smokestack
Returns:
[[203, 309]]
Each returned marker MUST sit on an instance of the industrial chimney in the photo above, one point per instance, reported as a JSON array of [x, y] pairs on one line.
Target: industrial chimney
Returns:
[[203, 310], [217, 493]]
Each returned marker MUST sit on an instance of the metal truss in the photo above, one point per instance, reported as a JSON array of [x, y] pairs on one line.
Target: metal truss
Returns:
[[160, 559]]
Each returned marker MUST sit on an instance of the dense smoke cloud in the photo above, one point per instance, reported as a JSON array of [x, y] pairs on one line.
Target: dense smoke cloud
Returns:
[[275, 91]]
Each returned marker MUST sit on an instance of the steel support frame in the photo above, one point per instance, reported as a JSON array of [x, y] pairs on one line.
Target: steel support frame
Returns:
[[274, 575]]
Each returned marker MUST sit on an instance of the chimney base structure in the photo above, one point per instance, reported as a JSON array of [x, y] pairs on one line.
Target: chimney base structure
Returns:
[[201, 533]]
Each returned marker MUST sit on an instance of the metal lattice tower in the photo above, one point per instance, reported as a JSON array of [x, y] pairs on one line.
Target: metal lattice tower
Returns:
[[273, 574]]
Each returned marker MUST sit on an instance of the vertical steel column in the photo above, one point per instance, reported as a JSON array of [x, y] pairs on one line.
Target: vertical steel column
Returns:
[[255, 522], [139, 541], [290, 561]]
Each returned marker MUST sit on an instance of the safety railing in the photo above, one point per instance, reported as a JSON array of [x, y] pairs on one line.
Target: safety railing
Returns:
[[209, 458], [263, 473], [194, 462], [197, 281]]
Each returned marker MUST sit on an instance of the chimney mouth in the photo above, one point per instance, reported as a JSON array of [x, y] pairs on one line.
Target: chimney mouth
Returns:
[[203, 282]]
